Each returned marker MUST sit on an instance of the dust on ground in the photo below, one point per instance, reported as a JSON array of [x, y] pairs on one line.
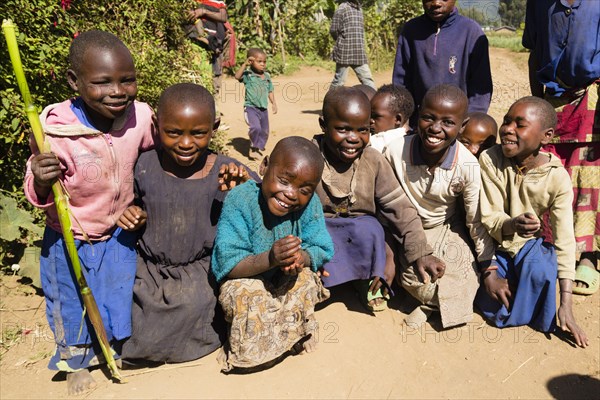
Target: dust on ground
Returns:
[[359, 355]]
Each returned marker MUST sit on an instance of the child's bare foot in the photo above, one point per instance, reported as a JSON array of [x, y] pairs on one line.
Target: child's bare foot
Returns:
[[79, 382], [418, 316], [310, 344]]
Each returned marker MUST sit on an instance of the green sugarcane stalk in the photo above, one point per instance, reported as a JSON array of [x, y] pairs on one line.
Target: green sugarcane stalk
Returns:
[[61, 202]]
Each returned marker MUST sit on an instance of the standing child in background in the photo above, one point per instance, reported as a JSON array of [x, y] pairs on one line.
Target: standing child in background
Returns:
[[347, 29], [479, 133], [521, 289], [259, 91], [95, 139], [428, 55], [271, 239], [180, 189], [391, 108], [358, 185], [435, 172]]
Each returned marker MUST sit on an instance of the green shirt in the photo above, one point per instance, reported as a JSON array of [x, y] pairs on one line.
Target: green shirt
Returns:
[[257, 89]]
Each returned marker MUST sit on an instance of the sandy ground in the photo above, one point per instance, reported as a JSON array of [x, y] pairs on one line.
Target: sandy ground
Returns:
[[359, 355]]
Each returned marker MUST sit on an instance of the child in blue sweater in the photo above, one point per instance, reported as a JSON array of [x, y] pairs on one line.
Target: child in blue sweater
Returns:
[[428, 55], [271, 240]]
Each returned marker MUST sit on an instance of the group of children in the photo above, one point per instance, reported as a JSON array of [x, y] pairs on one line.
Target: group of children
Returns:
[[187, 251]]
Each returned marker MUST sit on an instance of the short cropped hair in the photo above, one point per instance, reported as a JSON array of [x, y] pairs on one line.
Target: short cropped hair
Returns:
[[340, 96], [254, 51], [545, 111], [401, 101], [187, 93], [300, 148], [94, 39], [483, 119]]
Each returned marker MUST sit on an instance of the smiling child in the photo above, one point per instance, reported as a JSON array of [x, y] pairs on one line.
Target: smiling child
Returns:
[[357, 188], [519, 184], [435, 171], [271, 240]]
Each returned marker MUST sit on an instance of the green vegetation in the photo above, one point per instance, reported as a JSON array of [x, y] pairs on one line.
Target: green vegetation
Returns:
[[511, 42]]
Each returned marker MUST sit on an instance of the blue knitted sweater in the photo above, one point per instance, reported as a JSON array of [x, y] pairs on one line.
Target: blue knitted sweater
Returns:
[[246, 227]]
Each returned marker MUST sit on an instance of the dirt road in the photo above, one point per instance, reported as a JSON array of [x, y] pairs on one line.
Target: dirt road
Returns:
[[359, 355]]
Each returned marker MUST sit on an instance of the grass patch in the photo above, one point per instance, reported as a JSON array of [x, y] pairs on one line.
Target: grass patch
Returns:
[[503, 41]]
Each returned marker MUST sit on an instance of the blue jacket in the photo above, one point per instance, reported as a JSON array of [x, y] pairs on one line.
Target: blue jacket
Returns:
[[455, 52]]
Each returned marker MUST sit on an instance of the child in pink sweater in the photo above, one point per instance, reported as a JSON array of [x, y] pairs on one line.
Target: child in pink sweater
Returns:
[[95, 141]]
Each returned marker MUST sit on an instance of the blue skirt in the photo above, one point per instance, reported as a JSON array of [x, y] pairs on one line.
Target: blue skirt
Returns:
[[109, 268], [533, 272], [359, 245]]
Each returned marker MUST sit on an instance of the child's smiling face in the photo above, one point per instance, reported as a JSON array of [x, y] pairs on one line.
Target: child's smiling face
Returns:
[[477, 137], [441, 119], [346, 126], [522, 133], [382, 117], [106, 81], [289, 183], [185, 131]]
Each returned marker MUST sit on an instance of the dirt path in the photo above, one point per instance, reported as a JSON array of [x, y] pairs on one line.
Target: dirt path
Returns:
[[359, 355]]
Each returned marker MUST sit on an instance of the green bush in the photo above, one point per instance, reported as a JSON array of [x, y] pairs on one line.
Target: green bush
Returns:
[[152, 29]]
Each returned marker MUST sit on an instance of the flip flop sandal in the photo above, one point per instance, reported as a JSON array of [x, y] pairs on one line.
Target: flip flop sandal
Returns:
[[366, 296], [590, 277]]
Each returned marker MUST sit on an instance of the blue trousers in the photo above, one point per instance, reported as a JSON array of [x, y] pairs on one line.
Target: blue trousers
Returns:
[[533, 272], [258, 121], [109, 268]]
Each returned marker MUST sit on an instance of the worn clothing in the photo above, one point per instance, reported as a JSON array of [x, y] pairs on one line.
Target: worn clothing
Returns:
[[368, 187], [532, 275], [268, 317], [435, 193], [452, 294], [545, 188], [175, 314], [347, 29], [269, 312], [379, 141], [97, 167], [454, 51], [258, 123], [359, 250], [246, 228], [363, 73], [109, 269], [564, 39], [257, 89]]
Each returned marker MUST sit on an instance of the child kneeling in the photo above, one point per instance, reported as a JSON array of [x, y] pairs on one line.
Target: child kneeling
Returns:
[[271, 239], [521, 289]]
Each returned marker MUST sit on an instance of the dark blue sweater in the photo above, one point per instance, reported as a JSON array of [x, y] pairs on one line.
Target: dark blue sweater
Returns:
[[455, 52]]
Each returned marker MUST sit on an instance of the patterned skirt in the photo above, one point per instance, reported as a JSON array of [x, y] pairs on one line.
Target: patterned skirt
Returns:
[[266, 319], [577, 144]]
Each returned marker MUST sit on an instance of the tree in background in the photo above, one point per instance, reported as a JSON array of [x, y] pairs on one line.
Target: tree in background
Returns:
[[512, 12]]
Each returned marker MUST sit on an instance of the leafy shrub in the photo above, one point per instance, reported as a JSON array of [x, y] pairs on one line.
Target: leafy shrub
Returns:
[[152, 29]]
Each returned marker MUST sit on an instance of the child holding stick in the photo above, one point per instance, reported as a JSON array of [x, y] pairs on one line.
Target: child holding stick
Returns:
[[95, 139]]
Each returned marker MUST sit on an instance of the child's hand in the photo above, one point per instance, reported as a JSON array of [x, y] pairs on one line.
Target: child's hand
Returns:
[[430, 266], [274, 108], [132, 219], [566, 321], [232, 175], [283, 252], [46, 169], [526, 225], [249, 60], [297, 266], [388, 275], [497, 288]]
